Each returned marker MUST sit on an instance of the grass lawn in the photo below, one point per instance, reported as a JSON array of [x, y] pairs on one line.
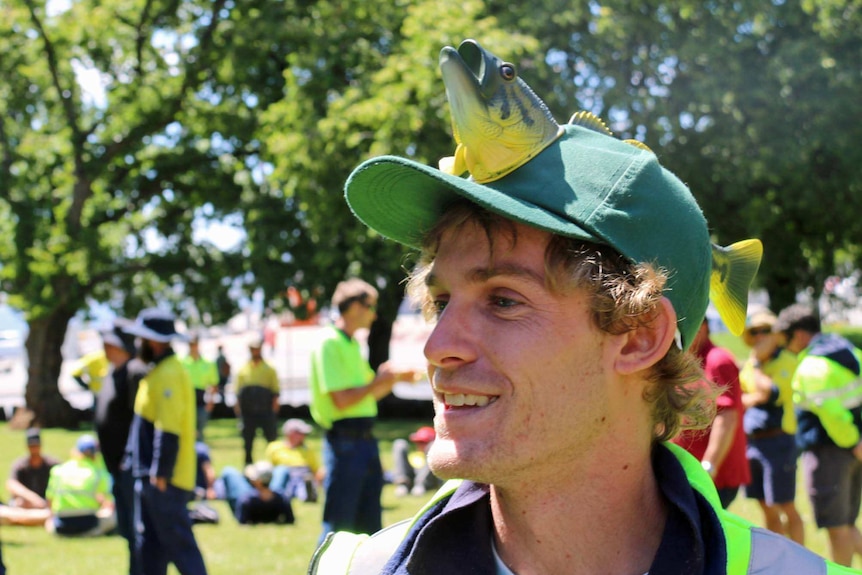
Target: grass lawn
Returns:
[[229, 548]]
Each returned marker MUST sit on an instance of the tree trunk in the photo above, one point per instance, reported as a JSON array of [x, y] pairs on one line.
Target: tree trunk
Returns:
[[42, 394]]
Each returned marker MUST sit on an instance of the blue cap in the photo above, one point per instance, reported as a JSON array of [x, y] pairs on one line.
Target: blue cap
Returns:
[[86, 444]]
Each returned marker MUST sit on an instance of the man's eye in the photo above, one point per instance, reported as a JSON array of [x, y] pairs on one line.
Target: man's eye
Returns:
[[438, 305], [503, 302]]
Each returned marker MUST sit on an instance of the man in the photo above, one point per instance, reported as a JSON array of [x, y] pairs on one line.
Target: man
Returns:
[[257, 391], [565, 288], [223, 367], [79, 492], [344, 394], [250, 497], [205, 379], [161, 450], [829, 402], [90, 369], [296, 467], [27, 484], [770, 426], [410, 471], [113, 414], [721, 448]]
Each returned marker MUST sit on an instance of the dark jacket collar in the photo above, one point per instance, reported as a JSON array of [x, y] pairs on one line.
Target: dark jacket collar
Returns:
[[454, 537]]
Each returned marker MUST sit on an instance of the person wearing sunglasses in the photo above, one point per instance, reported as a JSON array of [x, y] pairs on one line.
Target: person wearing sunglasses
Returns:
[[344, 394], [770, 426]]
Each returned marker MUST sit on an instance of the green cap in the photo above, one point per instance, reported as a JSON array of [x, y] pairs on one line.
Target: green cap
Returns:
[[585, 185]]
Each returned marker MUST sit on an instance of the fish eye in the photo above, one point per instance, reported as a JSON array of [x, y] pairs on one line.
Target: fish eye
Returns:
[[507, 71]]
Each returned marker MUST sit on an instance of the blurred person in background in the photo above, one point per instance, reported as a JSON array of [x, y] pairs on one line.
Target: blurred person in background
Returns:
[[770, 426]]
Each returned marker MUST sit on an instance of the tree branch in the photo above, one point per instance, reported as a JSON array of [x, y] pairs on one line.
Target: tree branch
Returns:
[[172, 106], [81, 189]]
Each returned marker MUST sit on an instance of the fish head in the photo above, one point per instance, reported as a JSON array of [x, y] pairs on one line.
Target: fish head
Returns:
[[498, 122]]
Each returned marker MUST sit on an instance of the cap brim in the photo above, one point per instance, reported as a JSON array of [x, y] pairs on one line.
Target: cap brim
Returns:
[[402, 200], [144, 332]]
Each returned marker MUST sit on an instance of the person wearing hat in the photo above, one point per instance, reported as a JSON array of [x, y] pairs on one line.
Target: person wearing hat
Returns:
[[411, 473], [257, 398], [296, 467], [161, 451], [79, 492], [566, 289], [205, 378], [770, 426], [828, 398], [113, 415], [721, 447], [344, 394], [251, 497]]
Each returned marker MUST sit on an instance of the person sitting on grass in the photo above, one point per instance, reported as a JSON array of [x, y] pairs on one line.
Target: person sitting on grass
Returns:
[[296, 467], [411, 473], [250, 497], [28, 480], [79, 492]]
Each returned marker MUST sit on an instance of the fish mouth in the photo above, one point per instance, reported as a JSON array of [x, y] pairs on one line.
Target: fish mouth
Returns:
[[465, 69], [472, 58]]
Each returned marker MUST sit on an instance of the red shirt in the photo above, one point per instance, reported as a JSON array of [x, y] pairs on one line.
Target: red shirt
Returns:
[[720, 367]]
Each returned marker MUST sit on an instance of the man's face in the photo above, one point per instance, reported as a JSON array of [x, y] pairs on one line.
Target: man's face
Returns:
[[366, 311], [519, 371], [148, 353], [255, 353], [295, 438]]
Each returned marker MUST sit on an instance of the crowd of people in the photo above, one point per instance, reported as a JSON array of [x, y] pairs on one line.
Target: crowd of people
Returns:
[[147, 474], [794, 398]]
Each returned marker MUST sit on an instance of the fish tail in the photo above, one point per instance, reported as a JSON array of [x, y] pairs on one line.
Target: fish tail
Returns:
[[733, 270]]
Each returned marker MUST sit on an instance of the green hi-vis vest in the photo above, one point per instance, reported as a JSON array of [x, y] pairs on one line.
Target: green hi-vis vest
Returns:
[[75, 486], [750, 550]]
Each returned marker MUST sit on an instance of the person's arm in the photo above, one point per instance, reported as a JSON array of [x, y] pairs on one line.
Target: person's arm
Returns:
[[722, 369], [763, 389], [379, 387], [809, 394], [170, 412], [720, 438], [18, 489], [210, 476]]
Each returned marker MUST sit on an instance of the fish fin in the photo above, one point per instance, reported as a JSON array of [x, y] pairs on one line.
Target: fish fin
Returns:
[[589, 120], [733, 269], [447, 164], [639, 144]]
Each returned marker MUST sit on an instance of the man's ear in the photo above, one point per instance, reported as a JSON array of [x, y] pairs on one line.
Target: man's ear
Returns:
[[647, 344]]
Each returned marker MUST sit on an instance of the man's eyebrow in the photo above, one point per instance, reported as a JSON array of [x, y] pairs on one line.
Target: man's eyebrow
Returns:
[[482, 274]]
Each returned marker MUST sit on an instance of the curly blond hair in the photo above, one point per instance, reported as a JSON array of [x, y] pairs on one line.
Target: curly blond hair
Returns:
[[624, 296]]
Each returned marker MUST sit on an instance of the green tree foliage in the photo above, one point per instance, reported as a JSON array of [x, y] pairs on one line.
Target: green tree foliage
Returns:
[[749, 102], [362, 86], [253, 113], [101, 192]]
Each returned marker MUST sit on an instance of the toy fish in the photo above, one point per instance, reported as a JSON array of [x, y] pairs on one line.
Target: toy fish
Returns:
[[733, 269], [498, 122]]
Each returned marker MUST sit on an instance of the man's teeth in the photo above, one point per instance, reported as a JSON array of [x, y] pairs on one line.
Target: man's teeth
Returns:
[[461, 399]]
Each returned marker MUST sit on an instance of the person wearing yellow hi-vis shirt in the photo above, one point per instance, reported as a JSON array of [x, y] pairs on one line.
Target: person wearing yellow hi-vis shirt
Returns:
[[79, 491], [827, 391], [770, 426], [161, 450]]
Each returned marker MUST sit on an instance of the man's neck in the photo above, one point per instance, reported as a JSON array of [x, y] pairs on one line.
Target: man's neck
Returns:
[[346, 326], [572, 526]]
